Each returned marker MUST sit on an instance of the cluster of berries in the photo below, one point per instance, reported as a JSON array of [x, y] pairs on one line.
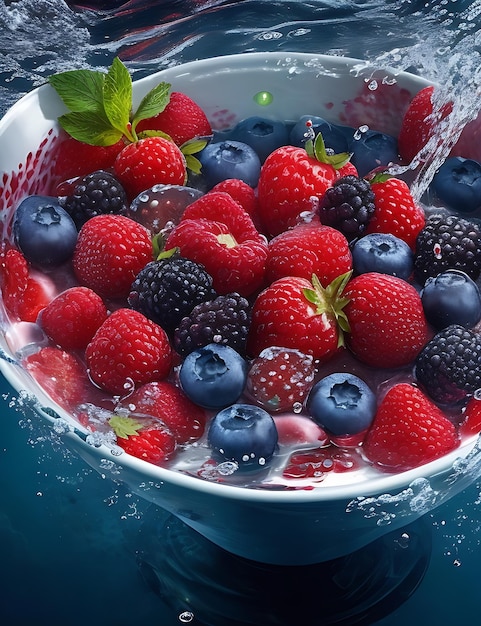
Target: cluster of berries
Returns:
[[319, 310]]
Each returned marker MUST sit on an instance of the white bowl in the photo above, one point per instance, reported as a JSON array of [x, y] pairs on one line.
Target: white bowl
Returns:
[[273, 526]]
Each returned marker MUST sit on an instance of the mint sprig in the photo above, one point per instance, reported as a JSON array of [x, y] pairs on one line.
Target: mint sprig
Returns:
[[99, 104]]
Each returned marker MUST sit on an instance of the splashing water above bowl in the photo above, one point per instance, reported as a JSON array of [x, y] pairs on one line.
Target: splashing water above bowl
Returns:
[[275, 526]]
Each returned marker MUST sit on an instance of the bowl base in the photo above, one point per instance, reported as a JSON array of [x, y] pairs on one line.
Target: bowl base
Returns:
[[198, 578]]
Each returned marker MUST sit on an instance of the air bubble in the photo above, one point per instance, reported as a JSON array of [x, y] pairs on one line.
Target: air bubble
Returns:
[[186, 617], [372, 86], [297, 407], [437, 251]]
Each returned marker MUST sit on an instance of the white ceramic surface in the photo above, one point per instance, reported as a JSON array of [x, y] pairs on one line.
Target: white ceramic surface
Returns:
[[284, 527]]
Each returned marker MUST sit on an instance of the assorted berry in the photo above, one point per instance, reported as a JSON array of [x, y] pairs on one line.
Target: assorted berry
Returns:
[[97, 193], [44, 232], [348, 206], [262, 301]]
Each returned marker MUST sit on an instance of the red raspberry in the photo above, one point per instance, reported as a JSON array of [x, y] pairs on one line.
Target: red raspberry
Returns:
[[111, 250], [128, 349], [150, 162], [216, 232], [308, 249], [73, 318], [242, 193], [280, 378], [182, 119], [168, 403], [145, 438]]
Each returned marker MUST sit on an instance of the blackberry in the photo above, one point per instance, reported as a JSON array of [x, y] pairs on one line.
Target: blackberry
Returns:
[[95, 194], [168, 289], [447, 242], [449, 365], [224, 320], [348, 206]]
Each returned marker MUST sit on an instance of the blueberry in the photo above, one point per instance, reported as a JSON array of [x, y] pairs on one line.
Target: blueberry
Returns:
[[457, 184], [383, 253], [372, 149], [44, 232], [243, 433], [229, 159], [342, 404], [261, 134], [334, 136], [451, 297], [213, 376]]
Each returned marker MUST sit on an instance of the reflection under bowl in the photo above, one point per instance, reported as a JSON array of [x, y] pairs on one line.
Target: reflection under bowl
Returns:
[[288, 527]]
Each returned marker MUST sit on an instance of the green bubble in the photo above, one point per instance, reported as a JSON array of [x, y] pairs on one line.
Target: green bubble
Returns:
[[263, 98]]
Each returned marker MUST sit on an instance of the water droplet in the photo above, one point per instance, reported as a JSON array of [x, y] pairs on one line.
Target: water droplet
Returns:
[[186, 617], [372, 86], [437, 251], [263, 98], [297, 407]]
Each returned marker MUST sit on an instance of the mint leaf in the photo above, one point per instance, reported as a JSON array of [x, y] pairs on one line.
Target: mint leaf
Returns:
[[117, 97], [193, 164], [80, 90], [193, 146], [90, 127], [152, 103]]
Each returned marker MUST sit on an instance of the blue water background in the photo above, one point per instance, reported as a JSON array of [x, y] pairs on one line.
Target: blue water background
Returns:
[[70, 538]]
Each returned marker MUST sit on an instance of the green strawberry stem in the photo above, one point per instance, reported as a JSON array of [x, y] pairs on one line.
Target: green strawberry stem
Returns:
[[317, 150], [330, 300], [124, 427]]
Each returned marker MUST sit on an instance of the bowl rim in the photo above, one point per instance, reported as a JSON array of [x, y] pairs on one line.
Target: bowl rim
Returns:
[[385, 483]]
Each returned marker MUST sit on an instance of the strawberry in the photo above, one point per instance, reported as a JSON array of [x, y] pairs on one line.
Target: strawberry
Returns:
[[419, 123], [74, 158], [23, 296], [128, 349], [396, 211], [111, 250], [149, 162], [165, 401], [60, 374], [308, 249], [145, 438], [182, 119], [293, 180], [72, 318], [471, 424], [218, 233], [408, 430], [280, 378], [386, 319], [296, 313]]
